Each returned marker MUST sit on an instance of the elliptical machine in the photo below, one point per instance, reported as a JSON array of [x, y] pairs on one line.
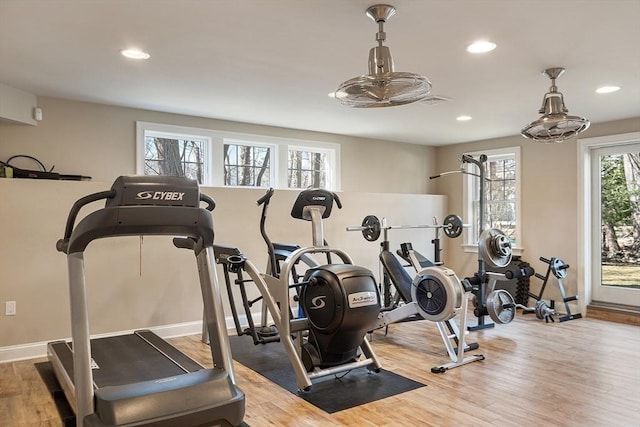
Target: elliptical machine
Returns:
[[339, 301]]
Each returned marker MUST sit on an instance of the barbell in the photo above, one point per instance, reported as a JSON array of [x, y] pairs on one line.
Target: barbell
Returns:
[[372, 227]]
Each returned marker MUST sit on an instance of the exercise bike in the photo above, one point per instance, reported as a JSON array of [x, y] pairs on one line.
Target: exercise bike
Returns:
[[338, 302]]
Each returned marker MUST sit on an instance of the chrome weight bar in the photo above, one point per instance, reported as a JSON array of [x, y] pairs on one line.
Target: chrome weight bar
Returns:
[[372, 227]]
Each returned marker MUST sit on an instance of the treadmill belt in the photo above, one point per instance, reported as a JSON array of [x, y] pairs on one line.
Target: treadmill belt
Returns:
[[130, 359]]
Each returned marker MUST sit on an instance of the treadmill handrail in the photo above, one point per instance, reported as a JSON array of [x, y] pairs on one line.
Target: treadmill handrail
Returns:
[[62, 244], [211, 204]]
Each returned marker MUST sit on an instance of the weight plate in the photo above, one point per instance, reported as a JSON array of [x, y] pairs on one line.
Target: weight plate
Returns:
[[452, 226], [437, 293], [542, 309], [501, 306], [372, 230], [556, 269], [495, 248]]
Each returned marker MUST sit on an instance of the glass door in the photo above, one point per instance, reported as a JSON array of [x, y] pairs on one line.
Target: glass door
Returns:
[[615, 224]]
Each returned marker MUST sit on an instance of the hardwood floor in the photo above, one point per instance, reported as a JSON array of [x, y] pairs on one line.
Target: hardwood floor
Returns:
[[584, 372], [614, 312]]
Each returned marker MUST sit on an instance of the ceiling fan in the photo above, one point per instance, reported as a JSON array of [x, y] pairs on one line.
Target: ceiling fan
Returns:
[[555, 125], [382, 87]]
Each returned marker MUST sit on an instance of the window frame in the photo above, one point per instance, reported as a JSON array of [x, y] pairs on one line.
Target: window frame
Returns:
[[215, 151], [175, 132], [273, 161], [471, 184], [330, 156]]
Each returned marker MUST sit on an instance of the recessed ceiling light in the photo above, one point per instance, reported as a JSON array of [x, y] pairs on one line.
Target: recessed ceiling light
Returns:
[[607, 89], [481, 46], [463, 118], [134, 54], [336, 95]]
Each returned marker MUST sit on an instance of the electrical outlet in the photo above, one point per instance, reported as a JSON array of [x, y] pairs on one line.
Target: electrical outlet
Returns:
[[10, 308]]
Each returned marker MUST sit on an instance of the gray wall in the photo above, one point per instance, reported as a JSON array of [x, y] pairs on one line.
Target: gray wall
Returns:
[[549, 199], [137, 283], [99, 141], [378, 177]]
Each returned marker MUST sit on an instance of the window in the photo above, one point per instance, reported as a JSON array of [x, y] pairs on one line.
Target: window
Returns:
[[175, 155], [247, 165], [501, 193], [307, 167], [217, 158]]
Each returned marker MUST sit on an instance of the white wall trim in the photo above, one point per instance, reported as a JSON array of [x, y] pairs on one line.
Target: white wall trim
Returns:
[[34, 350]]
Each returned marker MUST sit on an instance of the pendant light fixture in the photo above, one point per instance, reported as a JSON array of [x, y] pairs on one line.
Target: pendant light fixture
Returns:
[[555, 125], [382, 87]]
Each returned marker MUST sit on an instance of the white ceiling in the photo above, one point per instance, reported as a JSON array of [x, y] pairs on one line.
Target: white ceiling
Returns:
[[273, 62]]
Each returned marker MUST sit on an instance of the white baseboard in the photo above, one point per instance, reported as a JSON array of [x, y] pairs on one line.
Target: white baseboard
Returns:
[[39, 349]]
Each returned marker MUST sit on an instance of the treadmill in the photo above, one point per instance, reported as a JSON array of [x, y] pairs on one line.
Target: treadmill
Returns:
[[139, 379]]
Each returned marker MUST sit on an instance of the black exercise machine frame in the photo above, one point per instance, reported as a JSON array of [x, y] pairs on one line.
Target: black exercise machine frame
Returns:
[[274, 288]]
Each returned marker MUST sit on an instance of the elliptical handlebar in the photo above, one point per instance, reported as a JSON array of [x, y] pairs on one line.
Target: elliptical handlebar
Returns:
[[266, 197], [264, 201]]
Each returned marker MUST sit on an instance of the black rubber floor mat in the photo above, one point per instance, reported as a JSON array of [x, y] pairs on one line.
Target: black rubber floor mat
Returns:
[[331, 393]]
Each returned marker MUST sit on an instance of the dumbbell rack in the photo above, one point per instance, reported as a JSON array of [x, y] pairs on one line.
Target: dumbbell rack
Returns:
[[558, 268]]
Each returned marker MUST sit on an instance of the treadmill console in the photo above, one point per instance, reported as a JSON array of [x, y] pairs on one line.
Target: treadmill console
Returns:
[[154, 190]]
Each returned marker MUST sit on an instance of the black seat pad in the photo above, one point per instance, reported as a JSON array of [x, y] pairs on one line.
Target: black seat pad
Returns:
[[398, 274]]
